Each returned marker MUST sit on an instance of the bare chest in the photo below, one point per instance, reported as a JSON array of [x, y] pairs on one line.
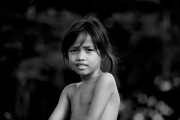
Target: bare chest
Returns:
[[82, 97]]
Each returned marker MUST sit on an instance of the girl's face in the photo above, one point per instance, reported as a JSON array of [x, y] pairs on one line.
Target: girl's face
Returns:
[[83, 57]]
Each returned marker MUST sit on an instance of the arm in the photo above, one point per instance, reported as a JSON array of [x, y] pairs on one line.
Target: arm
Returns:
[[61, 110], [102, 93]]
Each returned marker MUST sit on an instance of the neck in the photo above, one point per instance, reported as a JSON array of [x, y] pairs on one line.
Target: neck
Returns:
[[91, 77]]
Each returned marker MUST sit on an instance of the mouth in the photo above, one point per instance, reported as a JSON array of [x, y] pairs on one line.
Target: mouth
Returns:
[[81, 66]]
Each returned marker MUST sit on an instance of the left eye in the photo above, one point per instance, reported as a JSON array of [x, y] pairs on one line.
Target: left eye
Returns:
[[73, 51], [89, 50]]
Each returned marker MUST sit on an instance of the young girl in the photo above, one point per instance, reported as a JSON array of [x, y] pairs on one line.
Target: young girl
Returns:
[[85, 47]]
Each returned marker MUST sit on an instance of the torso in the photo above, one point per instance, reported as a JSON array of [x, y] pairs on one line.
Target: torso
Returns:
[[81, 96]]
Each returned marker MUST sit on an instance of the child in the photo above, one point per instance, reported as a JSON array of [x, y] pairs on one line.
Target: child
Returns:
[[85, 47]]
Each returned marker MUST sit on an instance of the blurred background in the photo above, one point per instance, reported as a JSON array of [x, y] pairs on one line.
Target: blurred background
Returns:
[[145, 35]]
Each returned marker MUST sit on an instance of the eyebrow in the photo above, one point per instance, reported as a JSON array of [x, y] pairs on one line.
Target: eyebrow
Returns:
[[88, 46]]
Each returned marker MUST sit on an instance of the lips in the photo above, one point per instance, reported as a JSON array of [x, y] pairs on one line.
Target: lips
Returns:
[[81, 65]]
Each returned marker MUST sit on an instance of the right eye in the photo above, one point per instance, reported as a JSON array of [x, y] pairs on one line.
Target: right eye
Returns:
[[73, 50]]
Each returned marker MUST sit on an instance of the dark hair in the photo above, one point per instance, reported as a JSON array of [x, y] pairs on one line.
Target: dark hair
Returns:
[[92, 26]]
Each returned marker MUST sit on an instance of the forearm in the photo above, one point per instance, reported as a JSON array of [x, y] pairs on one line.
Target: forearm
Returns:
[[80, 118]]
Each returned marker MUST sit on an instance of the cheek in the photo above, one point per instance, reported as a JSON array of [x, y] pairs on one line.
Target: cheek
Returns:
[[71, 59], [96, 59], [70, 62]]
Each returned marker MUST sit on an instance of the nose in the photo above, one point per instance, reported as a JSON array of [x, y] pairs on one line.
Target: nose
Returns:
[[81, 56]]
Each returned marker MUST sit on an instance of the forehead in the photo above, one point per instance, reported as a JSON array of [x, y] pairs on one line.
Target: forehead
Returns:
[[83, 40]]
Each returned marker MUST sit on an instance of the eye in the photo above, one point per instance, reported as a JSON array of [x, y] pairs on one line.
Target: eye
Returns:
[[89, 50], [73, 50]]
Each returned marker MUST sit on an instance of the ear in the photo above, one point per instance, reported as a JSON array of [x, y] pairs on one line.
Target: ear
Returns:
[[103, 57]]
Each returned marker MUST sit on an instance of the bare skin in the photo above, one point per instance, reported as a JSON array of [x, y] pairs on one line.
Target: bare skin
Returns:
[[96, 97], [95, 100]]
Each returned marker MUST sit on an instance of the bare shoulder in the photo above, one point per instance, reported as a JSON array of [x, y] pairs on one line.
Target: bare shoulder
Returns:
[[69, 89], [107, 75], [106, 80]]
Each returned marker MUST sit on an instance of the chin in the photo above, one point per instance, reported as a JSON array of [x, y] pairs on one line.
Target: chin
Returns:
[[81, 73]]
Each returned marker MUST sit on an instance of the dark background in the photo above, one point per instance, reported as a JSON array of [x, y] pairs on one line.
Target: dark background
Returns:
[[145, 35]]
